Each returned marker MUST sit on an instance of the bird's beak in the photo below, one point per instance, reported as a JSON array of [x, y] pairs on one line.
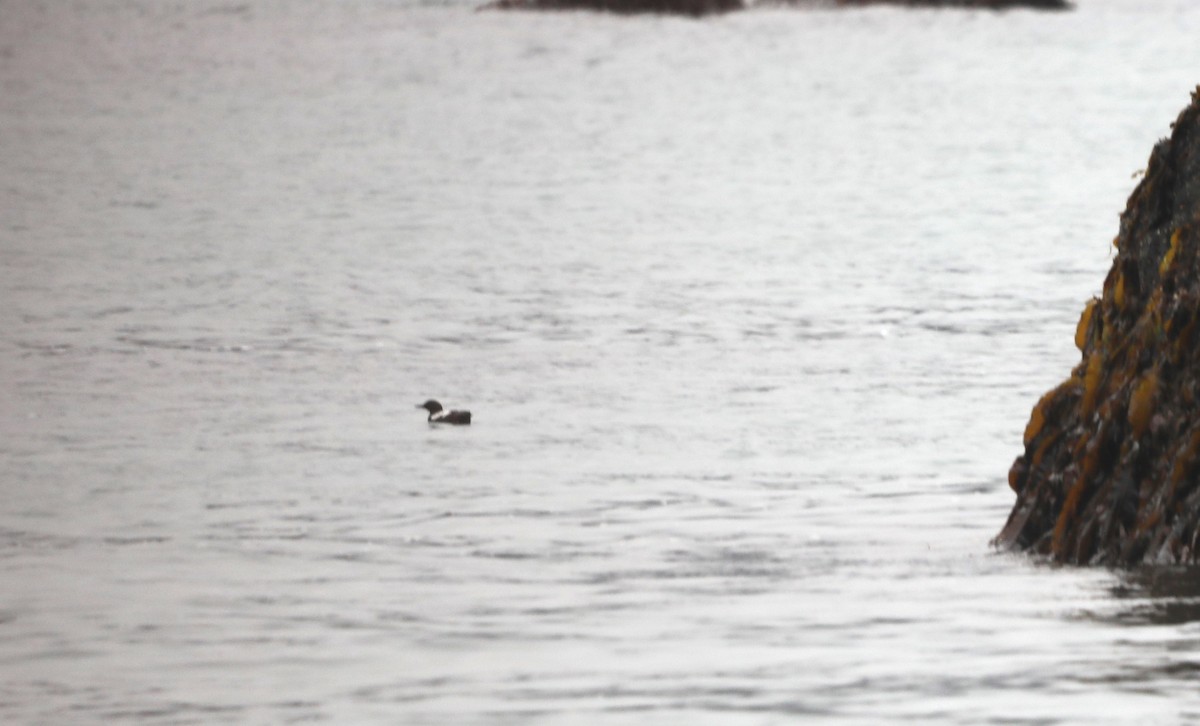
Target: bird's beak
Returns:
[[420, 406]]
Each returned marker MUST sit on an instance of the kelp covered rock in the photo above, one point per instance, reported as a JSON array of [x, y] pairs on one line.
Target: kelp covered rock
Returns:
[[709, 7], [1111, 468], [694, 8], [984, 4]]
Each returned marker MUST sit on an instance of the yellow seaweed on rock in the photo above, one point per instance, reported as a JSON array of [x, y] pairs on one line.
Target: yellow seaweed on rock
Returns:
[[1110, 470], [1169, 258], [1183, 341], [1151, 520], [1037, 417], [1184, 461], [1141, 403], [1085, 320], [1014, 476], [1038, 455], [1091, 384], [1080, 444], [1154, 311], [1067, 516]]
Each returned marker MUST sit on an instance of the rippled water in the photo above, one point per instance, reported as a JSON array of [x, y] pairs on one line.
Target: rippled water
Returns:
[[750, 312]]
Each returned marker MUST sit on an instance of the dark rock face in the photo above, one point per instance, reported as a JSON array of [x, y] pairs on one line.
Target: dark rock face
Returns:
[[694, 8], [697, 8], [1111, 468], [985, 4]]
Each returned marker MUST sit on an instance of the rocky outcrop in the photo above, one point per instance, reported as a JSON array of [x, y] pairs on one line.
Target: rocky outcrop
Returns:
[[697, 8], [694, 8], [984, 4], [1111, 468]]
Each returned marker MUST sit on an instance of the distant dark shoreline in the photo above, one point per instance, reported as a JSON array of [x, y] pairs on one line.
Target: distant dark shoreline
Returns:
[[699, 8], [969, 4]]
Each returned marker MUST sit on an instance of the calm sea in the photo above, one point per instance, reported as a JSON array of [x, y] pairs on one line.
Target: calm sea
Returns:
[[750, 311]]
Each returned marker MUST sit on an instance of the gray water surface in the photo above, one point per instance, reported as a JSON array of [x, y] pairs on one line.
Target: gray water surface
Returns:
[[750, 311]]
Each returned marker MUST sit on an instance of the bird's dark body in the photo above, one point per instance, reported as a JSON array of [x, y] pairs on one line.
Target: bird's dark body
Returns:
[[438, 415], [461, 418]]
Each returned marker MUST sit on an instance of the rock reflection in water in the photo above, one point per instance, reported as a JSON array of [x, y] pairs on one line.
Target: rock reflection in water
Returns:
[[1157, 596]]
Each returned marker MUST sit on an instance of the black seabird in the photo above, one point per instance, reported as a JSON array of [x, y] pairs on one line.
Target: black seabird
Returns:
[[437, 415]]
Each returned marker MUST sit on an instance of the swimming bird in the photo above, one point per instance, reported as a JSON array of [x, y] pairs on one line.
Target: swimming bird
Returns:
[[437, 415]]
